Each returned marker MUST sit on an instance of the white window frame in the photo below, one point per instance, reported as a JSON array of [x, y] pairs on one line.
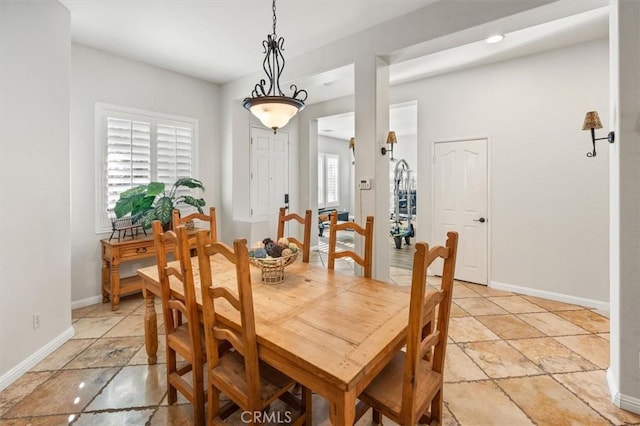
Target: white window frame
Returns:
[[324, 176], [104, 111]]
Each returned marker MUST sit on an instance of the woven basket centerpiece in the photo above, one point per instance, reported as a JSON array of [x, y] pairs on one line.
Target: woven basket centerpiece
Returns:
[[272, 257]]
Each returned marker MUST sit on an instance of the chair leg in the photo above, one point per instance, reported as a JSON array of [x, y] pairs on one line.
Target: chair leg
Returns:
[[171, 369], [198, 394], [214, 404], [437, 407], [377, 417], [307, 403]]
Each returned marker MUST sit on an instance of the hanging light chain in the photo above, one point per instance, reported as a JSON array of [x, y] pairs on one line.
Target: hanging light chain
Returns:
[[274, 16]]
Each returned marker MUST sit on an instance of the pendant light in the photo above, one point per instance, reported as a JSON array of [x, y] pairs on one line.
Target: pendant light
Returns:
[[271, 106]]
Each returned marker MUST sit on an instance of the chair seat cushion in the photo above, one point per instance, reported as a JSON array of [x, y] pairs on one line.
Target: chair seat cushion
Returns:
[[230, 377], [385, 391]]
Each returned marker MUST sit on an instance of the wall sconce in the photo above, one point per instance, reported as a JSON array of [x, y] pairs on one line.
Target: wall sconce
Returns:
[[352, 147], [592, 122], [391, 140]]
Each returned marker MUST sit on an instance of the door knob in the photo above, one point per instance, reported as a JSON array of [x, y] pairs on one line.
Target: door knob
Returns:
[[481, 220]]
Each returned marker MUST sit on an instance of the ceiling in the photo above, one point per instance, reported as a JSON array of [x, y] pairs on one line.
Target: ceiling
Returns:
[[221, 40], [579, 28]]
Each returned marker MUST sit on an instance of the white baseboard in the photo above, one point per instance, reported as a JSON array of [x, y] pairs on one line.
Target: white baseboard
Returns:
[[625, 402], [16, 372], [86, 302], [574, 300]]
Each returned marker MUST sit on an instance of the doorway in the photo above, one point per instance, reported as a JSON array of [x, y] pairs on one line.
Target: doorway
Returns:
[[460, 191], [334, 134], [269, 174]]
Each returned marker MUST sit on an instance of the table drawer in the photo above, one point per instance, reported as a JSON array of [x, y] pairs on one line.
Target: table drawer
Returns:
[[141, 250]]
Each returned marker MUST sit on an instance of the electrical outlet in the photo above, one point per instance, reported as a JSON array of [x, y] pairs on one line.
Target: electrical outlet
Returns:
[[36, 321]]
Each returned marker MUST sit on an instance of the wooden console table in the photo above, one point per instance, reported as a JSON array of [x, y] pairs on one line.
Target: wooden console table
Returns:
[[115, 252]]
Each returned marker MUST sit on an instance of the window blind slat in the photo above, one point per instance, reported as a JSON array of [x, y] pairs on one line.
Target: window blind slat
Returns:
[[139, 151]]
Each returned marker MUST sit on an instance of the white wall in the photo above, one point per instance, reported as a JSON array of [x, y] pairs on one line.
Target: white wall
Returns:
[[428, 28], [97, 76], [35, 260], [406, 149], [327, 145], [624, 374], [548, 202]]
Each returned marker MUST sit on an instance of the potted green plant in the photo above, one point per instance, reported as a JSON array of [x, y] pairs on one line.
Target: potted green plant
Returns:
[[147, 203]]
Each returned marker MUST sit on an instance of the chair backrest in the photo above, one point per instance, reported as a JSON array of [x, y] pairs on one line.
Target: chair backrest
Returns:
[[174, 308], [433, 343], [211, 218], [243, 339], [305, 245], [366, 232]]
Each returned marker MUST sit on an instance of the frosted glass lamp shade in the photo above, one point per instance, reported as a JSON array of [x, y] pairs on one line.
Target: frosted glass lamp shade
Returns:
[[273, 111]]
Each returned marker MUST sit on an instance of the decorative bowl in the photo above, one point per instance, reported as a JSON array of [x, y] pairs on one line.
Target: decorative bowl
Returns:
[[273, 267]]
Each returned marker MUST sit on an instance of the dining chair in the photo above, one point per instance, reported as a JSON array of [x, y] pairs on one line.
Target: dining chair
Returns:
[[409, 389], [181, 321], [238, 373], [366, 231], [211, 219], [305, 245]]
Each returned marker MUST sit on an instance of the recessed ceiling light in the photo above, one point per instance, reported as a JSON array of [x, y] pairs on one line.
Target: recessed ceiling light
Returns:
[[496, 38]]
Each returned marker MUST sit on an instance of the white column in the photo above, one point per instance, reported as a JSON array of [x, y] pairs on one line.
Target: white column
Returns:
[[624, 372], [372, 125]]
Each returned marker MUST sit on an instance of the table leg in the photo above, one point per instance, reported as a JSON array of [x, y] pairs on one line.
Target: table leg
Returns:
[[343, 408], [115, 286], [105, 281], [150, 326]]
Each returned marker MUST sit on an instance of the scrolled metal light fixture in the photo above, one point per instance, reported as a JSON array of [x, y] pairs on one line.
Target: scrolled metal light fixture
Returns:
[[391, 140], [352, 147], [592, 122], [271, 106]]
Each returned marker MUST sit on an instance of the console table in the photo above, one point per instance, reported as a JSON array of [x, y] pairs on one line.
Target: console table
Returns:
[[116, 252]]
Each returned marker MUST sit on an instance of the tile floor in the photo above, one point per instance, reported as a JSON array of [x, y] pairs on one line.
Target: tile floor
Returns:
[[512, 360]]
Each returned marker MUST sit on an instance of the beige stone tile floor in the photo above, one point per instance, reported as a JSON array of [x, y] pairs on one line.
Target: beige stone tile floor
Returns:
[[511, 360]]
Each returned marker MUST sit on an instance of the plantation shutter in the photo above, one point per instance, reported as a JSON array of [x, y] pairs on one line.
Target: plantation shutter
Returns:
[[321, 180], [174, 154], [332, 180], [128, 156], [139, 147]]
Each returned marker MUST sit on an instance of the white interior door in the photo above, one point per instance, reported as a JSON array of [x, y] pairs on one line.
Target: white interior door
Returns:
[[269, 174], [460, 204]]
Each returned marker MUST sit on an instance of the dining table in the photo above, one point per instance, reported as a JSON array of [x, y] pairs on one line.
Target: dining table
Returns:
[[331, 331]]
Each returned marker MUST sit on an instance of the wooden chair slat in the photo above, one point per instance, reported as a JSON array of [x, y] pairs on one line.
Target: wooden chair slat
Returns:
[[177, 220], [428, 343], [174, 272], [224, 292], [305, 245], [231, 337], [365, 261]]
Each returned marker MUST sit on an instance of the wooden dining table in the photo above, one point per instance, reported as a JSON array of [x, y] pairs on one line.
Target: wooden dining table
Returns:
[[330, 331]]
